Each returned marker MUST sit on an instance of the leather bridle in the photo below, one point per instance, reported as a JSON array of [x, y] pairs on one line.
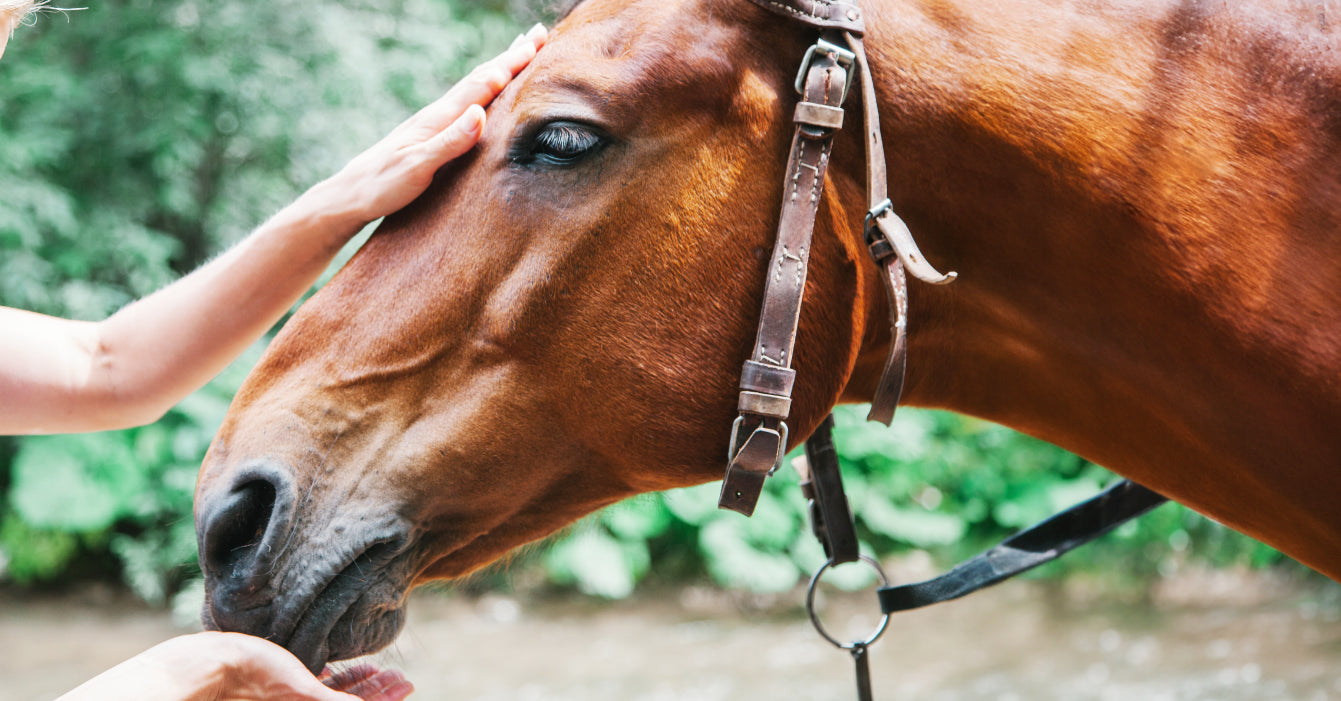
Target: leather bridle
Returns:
[[759, 434], [830, 66]]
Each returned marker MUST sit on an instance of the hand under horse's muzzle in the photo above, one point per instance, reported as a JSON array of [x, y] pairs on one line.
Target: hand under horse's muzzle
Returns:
[[325, 590]]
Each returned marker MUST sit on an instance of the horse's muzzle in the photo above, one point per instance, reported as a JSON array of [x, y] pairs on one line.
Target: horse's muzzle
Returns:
[[325, 591]]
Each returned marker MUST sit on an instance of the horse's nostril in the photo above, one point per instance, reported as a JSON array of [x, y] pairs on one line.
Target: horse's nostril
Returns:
[[236, 528]]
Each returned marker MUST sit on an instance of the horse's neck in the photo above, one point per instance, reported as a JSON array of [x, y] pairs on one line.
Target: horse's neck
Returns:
[[1142, 206]]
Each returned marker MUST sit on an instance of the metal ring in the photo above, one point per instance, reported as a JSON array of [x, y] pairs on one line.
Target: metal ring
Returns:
[[814, 618]]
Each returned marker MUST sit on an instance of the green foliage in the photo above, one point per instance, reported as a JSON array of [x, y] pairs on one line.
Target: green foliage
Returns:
[[136, 140], [126, 493], [32, 555], [942, 483]]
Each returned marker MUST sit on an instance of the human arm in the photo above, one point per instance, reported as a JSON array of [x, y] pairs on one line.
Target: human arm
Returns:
[[232, 667], [60, 376]]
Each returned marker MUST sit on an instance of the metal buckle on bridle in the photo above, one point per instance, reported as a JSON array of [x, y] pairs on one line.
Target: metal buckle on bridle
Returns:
[[842, 55], [876, 242], [750, 462], [781, 432]]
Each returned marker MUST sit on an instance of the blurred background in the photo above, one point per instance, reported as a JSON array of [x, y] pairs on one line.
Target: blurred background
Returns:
[[140, 137]]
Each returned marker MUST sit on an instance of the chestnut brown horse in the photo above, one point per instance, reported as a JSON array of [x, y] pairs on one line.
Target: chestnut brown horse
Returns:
[[1142, 198]]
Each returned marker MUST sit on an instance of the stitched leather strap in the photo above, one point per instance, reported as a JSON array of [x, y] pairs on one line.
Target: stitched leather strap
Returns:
[[824, 14], [760, 433], [891, 253]]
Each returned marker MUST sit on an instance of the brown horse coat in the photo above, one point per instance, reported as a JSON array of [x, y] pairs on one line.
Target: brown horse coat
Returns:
[[1141, 199]]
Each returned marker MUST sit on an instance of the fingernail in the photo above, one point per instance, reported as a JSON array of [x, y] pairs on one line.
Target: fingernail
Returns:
[[537, 31], [520, 38], [474, 120]]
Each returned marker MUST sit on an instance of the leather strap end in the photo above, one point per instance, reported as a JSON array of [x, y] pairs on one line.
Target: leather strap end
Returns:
[[887, 393], [760, 452], [749, 467], [898, 234], [740, 490]]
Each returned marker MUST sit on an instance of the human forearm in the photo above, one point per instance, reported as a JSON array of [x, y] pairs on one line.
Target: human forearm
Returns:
[[59, 376], [64, 376], [159, 349], [159, 674]]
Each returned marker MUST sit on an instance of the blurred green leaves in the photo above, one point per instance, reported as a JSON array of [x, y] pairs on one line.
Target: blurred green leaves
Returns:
[[941, 483], [125, 493], [137, 139]]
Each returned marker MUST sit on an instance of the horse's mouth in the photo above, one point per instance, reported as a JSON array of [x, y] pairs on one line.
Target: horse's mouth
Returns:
[[356, 610], [360, 610]]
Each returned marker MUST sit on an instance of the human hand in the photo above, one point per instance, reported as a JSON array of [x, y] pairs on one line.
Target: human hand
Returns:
[[396, 170], [216, 666], [263, 671]]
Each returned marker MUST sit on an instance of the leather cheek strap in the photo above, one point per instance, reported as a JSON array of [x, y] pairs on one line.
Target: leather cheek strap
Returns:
[[759, 435]]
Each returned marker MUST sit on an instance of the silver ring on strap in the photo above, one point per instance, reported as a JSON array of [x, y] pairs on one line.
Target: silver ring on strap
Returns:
[[814, 617]]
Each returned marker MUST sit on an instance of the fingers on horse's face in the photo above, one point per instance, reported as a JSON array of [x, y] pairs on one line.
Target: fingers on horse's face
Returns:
[[559, 323]]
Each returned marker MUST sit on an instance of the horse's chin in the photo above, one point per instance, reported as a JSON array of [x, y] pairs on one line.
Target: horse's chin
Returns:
[[327, 633], [356, 609]]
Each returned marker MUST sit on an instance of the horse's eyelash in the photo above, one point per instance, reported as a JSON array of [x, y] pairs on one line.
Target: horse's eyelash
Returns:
[[552, 138], [566, 138]]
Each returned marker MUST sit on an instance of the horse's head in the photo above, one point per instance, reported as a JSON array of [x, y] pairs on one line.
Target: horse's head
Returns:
[[559, 323]]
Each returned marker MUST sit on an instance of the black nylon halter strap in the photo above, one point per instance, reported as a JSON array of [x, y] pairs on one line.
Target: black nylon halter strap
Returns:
[[822, 484], [1044, 542]]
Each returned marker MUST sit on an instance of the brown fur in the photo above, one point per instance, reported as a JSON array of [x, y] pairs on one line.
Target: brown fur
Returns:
[[1141, 199]]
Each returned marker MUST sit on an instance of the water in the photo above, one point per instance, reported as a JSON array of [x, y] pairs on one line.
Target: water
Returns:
[[1217, 637]]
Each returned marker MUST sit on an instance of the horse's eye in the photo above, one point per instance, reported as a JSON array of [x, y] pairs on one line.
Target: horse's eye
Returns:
[[563, 143]]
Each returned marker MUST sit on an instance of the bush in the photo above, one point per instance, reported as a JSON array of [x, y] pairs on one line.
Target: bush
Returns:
[[937, 482], [135, 141]]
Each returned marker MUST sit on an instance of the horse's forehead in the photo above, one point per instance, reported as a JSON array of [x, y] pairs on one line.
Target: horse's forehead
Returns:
[[642, 42], [620, 18]]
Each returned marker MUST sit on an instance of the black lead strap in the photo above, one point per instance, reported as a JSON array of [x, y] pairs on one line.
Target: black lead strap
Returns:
[[822, 484], [831, 520], [1044, 542], [863, 663]]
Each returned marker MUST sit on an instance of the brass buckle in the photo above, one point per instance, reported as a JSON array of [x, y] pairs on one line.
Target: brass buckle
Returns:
[[843, 56]]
